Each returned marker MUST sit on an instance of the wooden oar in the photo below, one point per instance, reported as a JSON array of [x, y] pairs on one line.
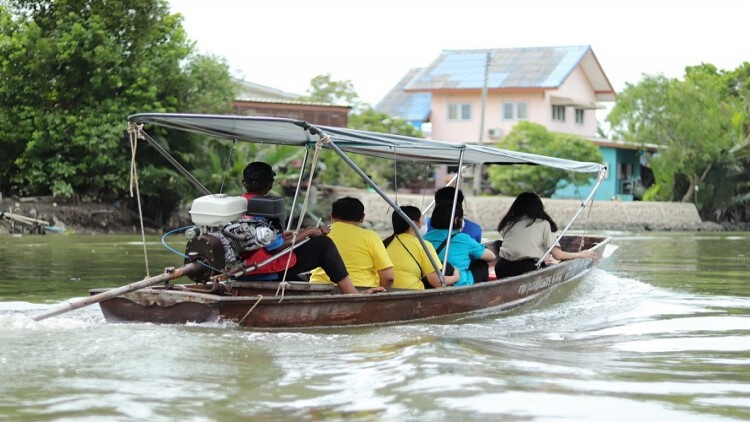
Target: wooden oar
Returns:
[[109, 294]]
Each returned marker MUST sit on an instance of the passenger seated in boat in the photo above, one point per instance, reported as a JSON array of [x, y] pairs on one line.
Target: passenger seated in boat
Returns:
[[319, 252], [410, 261], [479, 269], [446, 194], [463, 249], [527, 233], [361, 249]]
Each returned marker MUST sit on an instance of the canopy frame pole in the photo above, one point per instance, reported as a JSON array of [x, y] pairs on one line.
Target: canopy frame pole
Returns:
[[570, 223], [388, 200], [299, 186], [453, 215], [142, 133], [450, 182]]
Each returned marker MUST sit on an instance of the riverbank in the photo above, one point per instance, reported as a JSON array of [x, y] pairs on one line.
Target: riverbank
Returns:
[[48, 215], [93, 218], [603, 215]]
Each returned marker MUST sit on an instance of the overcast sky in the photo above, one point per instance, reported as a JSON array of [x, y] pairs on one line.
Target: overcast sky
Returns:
[[285, 43]]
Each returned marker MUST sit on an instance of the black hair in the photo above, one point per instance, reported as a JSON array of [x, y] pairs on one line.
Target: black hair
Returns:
[[527, 204], [400, 225], [447, 193], [441, 215], [348, 209], [258, 177]]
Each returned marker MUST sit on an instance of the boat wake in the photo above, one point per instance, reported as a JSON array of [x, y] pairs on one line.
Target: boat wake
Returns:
[[17, 316], [598, 295]]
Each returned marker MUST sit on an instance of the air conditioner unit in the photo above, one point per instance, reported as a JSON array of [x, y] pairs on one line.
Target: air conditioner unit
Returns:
[[495, 133]]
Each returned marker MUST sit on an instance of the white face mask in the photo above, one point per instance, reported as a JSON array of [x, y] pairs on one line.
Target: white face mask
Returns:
[[423, 229]]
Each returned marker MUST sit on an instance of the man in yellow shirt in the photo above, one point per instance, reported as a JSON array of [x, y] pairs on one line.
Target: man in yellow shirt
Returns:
[[363, 252]]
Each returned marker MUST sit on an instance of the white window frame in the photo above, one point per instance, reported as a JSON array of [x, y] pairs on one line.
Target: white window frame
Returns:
[[515, 110], [580, 114], [558, 113], [459, 111]]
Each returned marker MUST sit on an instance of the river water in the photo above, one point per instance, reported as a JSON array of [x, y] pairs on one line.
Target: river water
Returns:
[[660, 332]]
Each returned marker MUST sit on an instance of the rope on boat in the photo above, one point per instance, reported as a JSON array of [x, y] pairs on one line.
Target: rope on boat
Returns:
[[226, 166], [424, 186], [260, 297], [282, 288], [136, 132], [313, 165]]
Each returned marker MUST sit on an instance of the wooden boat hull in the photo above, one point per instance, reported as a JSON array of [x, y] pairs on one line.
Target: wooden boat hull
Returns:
[[255, 305]]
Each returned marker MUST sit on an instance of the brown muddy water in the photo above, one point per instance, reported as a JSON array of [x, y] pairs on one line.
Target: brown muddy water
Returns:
[[660, 332]]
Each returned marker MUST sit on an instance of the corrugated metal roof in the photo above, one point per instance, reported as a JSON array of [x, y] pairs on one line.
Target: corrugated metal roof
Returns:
[[532, 67], [412, 107], [251, 91]]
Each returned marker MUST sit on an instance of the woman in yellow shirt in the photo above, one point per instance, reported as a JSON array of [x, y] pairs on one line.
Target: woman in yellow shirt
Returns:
[[410, 260]]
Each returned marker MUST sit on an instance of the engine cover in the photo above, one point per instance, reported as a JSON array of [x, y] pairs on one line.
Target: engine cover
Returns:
[[217, 210]]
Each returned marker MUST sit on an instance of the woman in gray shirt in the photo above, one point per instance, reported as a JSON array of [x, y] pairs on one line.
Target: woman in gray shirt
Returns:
[[528, 231]]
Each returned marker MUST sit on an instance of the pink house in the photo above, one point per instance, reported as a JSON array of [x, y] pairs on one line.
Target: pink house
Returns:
[[558, 87]]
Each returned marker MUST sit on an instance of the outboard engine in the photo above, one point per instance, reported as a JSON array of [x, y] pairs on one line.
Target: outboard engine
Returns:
[[227, 227]]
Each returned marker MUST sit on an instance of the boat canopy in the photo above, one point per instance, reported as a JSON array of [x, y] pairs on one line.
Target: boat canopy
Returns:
[[280, 131]]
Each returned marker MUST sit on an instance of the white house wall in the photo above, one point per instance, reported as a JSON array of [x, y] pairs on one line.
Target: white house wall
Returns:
[[575, 87], [578, 88]]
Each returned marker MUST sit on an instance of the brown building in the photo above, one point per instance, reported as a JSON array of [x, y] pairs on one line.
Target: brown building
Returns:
[[259, 100]]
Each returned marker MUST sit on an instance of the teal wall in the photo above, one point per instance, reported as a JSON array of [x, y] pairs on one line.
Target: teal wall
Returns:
[[624, 168]]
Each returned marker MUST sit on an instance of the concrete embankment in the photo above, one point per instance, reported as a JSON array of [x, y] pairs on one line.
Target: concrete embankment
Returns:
[[602, 215], [487, 211]]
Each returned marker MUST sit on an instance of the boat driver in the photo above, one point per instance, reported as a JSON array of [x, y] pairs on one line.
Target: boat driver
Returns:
[[319, 251]]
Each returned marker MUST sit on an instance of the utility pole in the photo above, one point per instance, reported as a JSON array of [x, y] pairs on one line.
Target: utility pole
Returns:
[[478, 170]]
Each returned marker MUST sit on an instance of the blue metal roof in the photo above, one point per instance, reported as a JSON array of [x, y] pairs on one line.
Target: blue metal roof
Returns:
[[533, 67], [412, 107]]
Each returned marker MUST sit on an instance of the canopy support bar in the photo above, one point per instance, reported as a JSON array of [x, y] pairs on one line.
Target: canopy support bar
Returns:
[[583, 205], [453, 215], [450, 182], [392, 204], [175, 163], [299, 185]]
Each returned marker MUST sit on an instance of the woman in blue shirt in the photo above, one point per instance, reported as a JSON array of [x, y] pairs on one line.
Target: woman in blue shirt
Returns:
[[462, 247]]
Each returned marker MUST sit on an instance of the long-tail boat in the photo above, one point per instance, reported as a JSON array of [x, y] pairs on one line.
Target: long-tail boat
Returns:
[[211, 259]]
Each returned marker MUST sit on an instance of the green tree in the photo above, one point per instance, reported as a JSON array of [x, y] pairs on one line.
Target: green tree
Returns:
[[323, 89], [326, 90], [690, 118], [738, 204], [382, 171], [73, 70], [397, 174], [536, 139]]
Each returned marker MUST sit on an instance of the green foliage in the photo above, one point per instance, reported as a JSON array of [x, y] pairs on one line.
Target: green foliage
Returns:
[[323, 89], [375, 121], [403, 172], [382, 171], [337, 172], [536, 139], [72, 71], [701, 123]]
